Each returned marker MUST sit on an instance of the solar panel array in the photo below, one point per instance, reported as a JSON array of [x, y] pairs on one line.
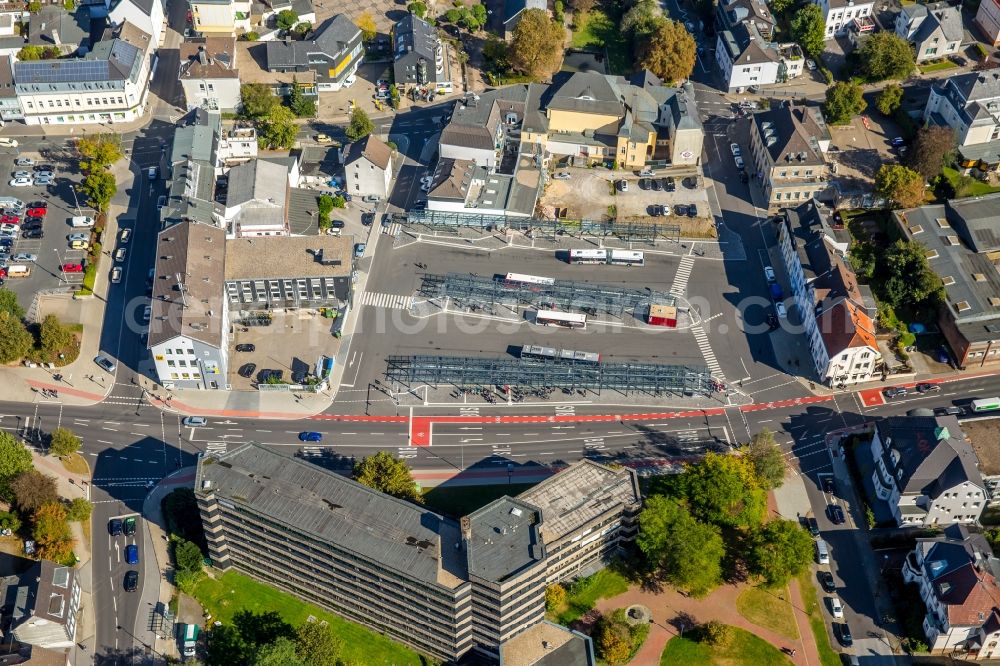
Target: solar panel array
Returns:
[[62, 71]]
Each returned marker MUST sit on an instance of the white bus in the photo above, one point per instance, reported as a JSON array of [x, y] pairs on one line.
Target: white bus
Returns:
[[627, 258], [588, 256], [529, 279], [985, 404], [536, 351], [564, 319]]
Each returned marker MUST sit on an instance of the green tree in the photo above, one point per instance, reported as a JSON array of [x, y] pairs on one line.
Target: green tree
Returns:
[[890, 99], [9, 304], [767, 460], [187, 580], [302, 28], [69, 5], [614, 641], [723, 490], [14, 459], [79, 510], [669, 52], [779, 6], [778, 551], [99, 187], [187, 555], [885, 55], [453, 15], [338, 201], [582, 6], [226, 647], [536, 48], [906, 277], [557, 11], [51, 53], [642, 20], [900, 184], [15, 340], [29, 52], [34, 6], [475, 17], [98, 152], [383, 472], [418, 9], [259, 629], [366, 24], [63, 442], [843, 101], [317, 644], [277, 130], [280, 653], [286, 19], [54, 337], [496, 55], [360, 126], [9, 520], [555, 597], [686, 553], [251, 36], [51, 532], [301, 106], [324, 206], [932, 149], [257, 100], [716, 633], [32, 490], [809, 29]]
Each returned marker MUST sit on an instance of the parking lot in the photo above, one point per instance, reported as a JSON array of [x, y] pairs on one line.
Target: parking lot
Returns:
[[292, 344]]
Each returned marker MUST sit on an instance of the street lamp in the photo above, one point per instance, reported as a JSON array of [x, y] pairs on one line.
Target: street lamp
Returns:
[[62, 273]]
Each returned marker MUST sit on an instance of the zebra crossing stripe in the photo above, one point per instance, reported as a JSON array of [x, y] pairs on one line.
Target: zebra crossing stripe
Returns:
[[679, 286], [392, 229], [701, 338], [393, 301]]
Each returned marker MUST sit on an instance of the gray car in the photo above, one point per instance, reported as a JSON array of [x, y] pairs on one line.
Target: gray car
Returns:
[[106, 363], [24, 256]]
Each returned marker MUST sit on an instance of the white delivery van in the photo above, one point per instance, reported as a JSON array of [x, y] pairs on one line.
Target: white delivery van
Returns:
[[11, 202], [81, 221], [822, 552], [18, 270]]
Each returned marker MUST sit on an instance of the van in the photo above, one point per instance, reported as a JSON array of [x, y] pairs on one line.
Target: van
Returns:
[[822, 552], [151, 173], [11, 202], [81, 221], [18, 270], [9, 143], [189, 639]]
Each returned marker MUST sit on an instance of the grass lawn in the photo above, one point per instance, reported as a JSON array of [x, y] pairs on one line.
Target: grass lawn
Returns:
[[462, 500], [224, 596], [745, 650], [597, 30], [584, 594], [76, 464], [827, 656], [937, 66], [769, 609], [974, 189]]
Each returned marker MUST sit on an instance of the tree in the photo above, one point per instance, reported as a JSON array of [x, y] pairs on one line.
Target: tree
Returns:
[[280, 653], [778, 551], [317, 644], [226, 647], [686, 553], [767, 460], [383, 472], [614, 641], [885, 55], [51, 532], [9, 520], [15, 340], [723, 490], [716, 633], [453, 15], [418, 9], [582, 6], [366, 24], [79, 510], [32, 490], [187, 555], [555, 597], [324, 206], [809, 29], [496, 54], [475, 18], [669, 52], [906, 277], [900, 184], [34, 6], [63, 442], [642, 20], [536, 49], [99, 187], [286, 19], [301, 106], [277, 130], [360, 126], [259, 629], [932, 149], [9, 304], [302, 28], [251, 36], [54, 337], [257, 100], [14, 459], [99, 152], [843, 101], [29, 52], [890, 99], [779, 6]]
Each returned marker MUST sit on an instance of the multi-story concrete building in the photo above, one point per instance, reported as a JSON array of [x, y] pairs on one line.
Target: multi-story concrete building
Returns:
[[988, 20], [43, 605], [208, 73], [333, 53], [228, 17], [957, 575], [420, 58], [189, 316], [843, 15], [444, 587], [369, 168], [926, 471], [788, 147], [935, 30]]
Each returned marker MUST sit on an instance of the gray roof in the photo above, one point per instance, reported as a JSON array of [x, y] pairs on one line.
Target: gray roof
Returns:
[[257, 180], [198, 139], [954, 549], [414, 35], [332, 38], [587, 92], [504, 540], [372, 149], [942, 15], [50, 591], [977, 220], [289, 257], [7, 77], [548, 644], [791, 134], [114, 61], [54, 25], [187, 284], [406, 538]]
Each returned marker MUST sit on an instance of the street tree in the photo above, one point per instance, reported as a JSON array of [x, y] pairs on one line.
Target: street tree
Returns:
[[890, 99], [900, 184], [286, 19], [257, 100], [809, 29], [383, 472], [366, 24], [359, 126], [843, 101], [684, 552], [885, 55], [282, 652], [779, 6], [51, 532], [99, 188], [723, 490], [32, 490], [14, 459], [778, 551], [79, 510], [317, 644], [277, 129], [54, 337], [931, 150], [668, 52], [642, 20], [63, 442], [15, 340], [9, 304], [98, 152], [767, 460], [418, 9], [536, 48], [301, 106]]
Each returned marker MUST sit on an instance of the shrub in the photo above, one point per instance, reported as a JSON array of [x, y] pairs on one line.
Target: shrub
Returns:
[[79, 510], [716, 633]]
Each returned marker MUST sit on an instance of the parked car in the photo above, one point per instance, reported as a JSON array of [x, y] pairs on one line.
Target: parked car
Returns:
[[32, 233], [129, 526], [310, 436], [949, 411], [734, 148], [195, 421], [623, 185], [844, 635], [44, 180], [680, 209], [657, 185], [812, 526], [769, 273], [562, 175], [359, 249], [44, 173], [780, 308], [928, 388], [38, 204], [24, 162], [115, 526], [895, 392], [246, 370], [266, 374], [692, 210], [323, 138], [24, 256], [739, 162], [245, 347], [20, 182], [826, 581], [116, 274], [828, 486], [72, 268], [644, 184], [835, 513], [78, 237], [79, 245], [131, 581], [21, 174], [120, 255], [36, 212], [811, 65], [125, 236], [670, 184], [898, 141], [106, 363], [836, 608], [132, 554]]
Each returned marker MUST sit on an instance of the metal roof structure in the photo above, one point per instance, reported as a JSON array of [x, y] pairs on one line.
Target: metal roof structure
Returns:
[[626, 378]]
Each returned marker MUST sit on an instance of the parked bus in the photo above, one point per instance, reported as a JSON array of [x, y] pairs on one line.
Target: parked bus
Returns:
[[579, 356], [564, 319], [985, 405], [529, 279], [627, 258], [588, 256], [535, 351]]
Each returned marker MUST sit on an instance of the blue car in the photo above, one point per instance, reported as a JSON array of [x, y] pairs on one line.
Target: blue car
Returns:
[[359, 249], [132, 554], [310, 437]]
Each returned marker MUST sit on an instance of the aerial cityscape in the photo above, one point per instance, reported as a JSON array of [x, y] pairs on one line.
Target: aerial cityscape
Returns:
[[527, 333]]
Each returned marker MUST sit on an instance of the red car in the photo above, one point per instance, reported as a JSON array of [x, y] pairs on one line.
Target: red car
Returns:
[[36, 212], [72, 268], [10, 219]]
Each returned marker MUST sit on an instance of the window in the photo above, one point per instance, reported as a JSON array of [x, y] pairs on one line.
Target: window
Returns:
[[171, 364]]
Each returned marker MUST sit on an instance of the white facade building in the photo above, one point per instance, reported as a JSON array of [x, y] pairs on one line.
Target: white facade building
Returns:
[[228, 17], [147, 15], [208, 73], [369, 168], [840, 15]]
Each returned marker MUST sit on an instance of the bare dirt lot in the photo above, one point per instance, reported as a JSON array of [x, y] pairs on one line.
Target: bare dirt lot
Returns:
[[985, 438]]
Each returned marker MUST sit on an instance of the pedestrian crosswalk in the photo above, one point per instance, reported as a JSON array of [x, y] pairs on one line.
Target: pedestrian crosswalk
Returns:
[[679, 286], [393, 229], [393, 301], [706, 351], [215, 448]]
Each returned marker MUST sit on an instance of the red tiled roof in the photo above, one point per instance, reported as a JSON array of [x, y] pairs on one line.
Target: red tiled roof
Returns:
[[969, 595], [844, 326]]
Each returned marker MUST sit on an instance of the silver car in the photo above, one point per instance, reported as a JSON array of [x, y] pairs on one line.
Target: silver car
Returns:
[[22, 174], [44, 174], [24, 162], [44, 180], [24, 256]]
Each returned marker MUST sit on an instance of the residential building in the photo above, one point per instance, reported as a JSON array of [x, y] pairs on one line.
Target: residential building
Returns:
[[445, 587], [957, 575], [52, 25], [730, 14], [12, 14], [264, 10], [189, 316], [926, 471], [548, 644], [290, 272], [747, 60], [513, 10], [961, 247], [110, 84], [843, 15], [421, 61], [368, 168], [147, 15], [43, 605], [191, 172], [208, 73], [969, 104], [10, 105], [228, 17], [332, 53], [837, 313], [935, 30], [988, 20], [257, 199], [788, 147]]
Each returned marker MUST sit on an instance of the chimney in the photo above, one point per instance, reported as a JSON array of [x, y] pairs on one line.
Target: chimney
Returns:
[[202, 55]]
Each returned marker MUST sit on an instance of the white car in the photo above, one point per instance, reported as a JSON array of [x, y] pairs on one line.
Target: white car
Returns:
[[836, 609], [195, 421], [21, 174], [125, 236], [623, 185], [24, 162], [739, 162], [562, 175], [349, 81], [8, 234], [811, 65], [735, 148], [78, 237], [779, 307], [769, 273], [44, 180], [7, 226], [8, 143], [44, 174], [24, 256], [119, 255], [20, 182], [116, 274]]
